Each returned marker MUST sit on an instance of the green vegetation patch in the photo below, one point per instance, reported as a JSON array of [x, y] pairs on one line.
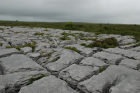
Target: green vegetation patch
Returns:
[[1, 44], [39, 34], [37, 78], [122, 29], [2, 29], [73, 48], [106, 43], [32, 45], [138, 44]]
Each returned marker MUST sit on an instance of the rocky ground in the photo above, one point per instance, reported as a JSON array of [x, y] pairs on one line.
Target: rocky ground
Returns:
[[35, 60]]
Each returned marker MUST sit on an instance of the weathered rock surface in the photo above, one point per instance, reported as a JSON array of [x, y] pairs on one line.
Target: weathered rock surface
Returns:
[[88, 70], [26, 50], [19, 63], [76, 73], [126, 53], [94, 62], [11, 83], [108, 57], [7, 52], [67, 58], [134, 64], [49, 84], [112, 80]]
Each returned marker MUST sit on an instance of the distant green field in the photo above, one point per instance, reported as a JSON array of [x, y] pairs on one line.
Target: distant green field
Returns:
[[121, 29]]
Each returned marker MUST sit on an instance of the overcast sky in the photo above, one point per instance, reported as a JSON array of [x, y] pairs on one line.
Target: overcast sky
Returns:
[[94, 11]]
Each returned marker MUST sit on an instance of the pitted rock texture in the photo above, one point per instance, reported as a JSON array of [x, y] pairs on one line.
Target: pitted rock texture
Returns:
[[43, 64]]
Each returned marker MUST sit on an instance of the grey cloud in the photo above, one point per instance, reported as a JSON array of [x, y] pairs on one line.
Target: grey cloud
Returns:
[[95, 11]]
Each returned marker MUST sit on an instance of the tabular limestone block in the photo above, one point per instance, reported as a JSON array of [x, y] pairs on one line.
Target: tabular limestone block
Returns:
[[49, 84], [130, 63], [115, 79], [94, 62], [7, 52], [66, 59], [26, 50], [108, 57], [127, 53], [76, 73], [19, 63], [11, 83], [34, 56]]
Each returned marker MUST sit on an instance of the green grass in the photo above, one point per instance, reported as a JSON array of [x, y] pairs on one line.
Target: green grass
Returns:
[[39, 34], [121, 29], [32, 45], [73, 48], [106, 43], [2, 29]]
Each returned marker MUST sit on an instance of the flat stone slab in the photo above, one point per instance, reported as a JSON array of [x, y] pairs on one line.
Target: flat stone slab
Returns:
[[94, 62], [136, 49], [11, 83], [134, 64], [84, 51], [126, 53], [115, 79], [34, 56], [49, 84], [108, 57], [8, 52], [66, 59], [26, 50], [76, 73], [19, 63]]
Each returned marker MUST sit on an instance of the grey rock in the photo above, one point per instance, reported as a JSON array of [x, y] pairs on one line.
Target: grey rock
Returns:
[[126, 53], [110, 80], [8, 52], [136, 49], [34, 56], [76, 73], [26, 50], [49, 84], [134, 64], [11, 83], [84, 51], [41, 46], [94, 62], [108, 57], [67, 58], [19, 63], [127, 46], [126, 86], [42, 61]]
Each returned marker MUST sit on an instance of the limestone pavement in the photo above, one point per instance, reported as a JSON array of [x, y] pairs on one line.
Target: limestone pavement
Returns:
[[36, 60]]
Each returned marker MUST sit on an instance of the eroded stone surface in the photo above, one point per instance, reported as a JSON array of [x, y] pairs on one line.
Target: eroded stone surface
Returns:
[[113, 70], [49, 84], [134, 64], [67, 58], [110, 80], [7, 52], [76, 73], [108, 57], [127, 53], [94, 62], [19, 63], [11, 83]]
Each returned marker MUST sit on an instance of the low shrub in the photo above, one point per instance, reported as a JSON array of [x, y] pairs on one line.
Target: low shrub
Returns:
[[106, 43]]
